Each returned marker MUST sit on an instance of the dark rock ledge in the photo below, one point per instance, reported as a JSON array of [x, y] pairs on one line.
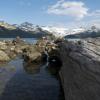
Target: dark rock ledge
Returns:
[[80, 73]]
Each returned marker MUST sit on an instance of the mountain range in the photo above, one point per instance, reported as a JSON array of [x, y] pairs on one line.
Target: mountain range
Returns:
[[25, 30], [89, 33], [29, 30]]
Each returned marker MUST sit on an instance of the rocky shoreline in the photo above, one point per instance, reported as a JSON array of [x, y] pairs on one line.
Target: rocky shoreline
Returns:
[[10, 49], [76, 63], [31, 53]]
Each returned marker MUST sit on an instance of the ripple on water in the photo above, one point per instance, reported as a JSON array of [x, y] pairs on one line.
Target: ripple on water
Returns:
[[16, 83]]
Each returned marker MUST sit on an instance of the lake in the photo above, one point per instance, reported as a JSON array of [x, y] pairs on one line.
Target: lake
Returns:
[[72, 39], [29, 40]]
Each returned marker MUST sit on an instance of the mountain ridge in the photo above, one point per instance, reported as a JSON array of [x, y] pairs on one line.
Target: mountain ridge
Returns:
[[12, 31], [27, 29]]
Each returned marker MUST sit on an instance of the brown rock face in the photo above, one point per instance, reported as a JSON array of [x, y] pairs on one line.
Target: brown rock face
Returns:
[[3, 56], [9, 50], [80, 73], [31, 54]]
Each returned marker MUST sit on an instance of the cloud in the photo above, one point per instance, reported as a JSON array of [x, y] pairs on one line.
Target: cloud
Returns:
[[69, 8], [95, 13]]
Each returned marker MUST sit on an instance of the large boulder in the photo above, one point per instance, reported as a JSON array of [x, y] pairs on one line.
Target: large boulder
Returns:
[[40, 45], [3, 45], [3, 56], [31, 54], [18, 48], [80, 73]]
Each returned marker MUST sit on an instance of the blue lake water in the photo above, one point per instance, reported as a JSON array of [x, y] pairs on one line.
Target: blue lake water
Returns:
[[29, 40], [20, 82], [69, 39]]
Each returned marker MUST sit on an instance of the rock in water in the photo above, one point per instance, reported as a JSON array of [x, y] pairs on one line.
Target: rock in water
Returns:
[[3, 56], [31, 54]]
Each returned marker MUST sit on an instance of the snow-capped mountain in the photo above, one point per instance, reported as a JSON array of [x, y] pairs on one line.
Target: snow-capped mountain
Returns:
[[76, 30], [93, 29], [55, 30], [26, 26], [62, 31]]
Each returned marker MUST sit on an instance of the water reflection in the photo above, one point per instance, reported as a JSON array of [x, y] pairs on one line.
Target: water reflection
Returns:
[[31, 68], [17, 85]]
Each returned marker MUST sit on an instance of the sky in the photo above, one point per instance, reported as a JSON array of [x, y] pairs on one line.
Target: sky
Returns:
[[69, 13]]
